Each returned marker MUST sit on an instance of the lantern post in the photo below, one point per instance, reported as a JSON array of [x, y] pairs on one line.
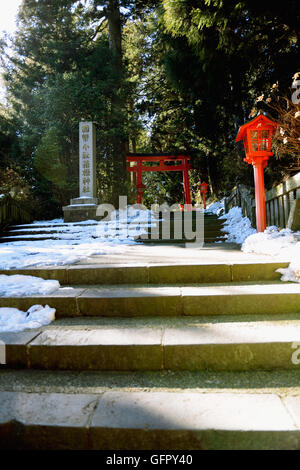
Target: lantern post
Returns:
[[203, 190], [140, 188], [257, 138]]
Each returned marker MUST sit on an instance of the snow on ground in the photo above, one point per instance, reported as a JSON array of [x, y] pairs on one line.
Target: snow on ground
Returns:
[[292, 272], [54, 222], [17, 255], [14, 320], [278, 242], [215, 208], [237, 227], [73, 242], [20, 286], [272, 241], [65, 243]]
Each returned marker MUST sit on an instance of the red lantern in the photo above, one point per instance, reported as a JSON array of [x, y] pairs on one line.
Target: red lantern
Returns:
[[141, 188], [203, 190], [257, 137]]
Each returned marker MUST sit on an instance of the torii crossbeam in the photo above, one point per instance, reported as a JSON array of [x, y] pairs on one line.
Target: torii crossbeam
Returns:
[[165, 162]]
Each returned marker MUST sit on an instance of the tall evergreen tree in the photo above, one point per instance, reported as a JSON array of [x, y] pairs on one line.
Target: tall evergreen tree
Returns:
[[169, 75], [221, 56]]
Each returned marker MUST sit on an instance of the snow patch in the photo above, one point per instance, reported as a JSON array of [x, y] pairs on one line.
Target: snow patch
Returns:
[[14, 320], [237, 227], [272, 241], [73, 242], [292, 272], [278, 242], [21, 286], [215, 208]]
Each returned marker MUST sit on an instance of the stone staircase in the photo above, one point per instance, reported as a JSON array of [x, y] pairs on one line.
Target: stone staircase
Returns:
[[156, 356], [209, 223], [206, 226]]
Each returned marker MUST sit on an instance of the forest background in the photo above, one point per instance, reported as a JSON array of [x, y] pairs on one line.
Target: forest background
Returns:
[[155, 76]]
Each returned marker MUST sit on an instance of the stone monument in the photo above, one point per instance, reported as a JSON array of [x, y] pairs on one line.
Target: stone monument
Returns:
[[84, 207]]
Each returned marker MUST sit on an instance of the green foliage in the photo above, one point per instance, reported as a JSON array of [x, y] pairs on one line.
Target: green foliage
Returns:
[[217, 56], [169, 76], [63, 71], [48, 160], [12, 183]]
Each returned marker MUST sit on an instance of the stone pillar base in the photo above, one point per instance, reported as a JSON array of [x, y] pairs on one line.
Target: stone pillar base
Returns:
[[83, 200], [80, 209]]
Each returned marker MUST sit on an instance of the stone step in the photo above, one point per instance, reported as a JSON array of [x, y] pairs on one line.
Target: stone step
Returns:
[[208, 228], [139, 420], [53, 226], [208, 238], [182, 228], [207, 218], [182, 241], [69, 228], [210, 232], [281, 381], [25, 239], [148, 274], [65, 227], [208, 235], [128, 301], [206, 221], [191, 344], [35, 239]]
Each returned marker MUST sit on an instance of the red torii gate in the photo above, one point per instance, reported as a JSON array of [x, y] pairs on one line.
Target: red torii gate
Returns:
[[172, 159]]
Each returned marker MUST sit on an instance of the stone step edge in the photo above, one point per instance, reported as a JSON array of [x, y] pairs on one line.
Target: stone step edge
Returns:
[[62, 229], [166, 301], [206, 239], [158, 273], [210, 216], [284, 381], [171, 241], [56, 234], [156, 349], [143, 420]]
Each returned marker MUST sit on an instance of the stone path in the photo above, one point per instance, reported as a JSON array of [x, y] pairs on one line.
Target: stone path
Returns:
[[175, 228], [161, 347]]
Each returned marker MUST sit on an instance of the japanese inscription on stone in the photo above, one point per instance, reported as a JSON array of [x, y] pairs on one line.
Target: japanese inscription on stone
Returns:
[[87, 180]]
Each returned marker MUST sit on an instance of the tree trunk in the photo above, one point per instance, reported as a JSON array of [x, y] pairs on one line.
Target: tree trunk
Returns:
[[119, 140], [210, 174], [115, 34]]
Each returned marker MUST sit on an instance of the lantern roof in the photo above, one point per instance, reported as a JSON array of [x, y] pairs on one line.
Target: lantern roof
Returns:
[[257, 122]]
